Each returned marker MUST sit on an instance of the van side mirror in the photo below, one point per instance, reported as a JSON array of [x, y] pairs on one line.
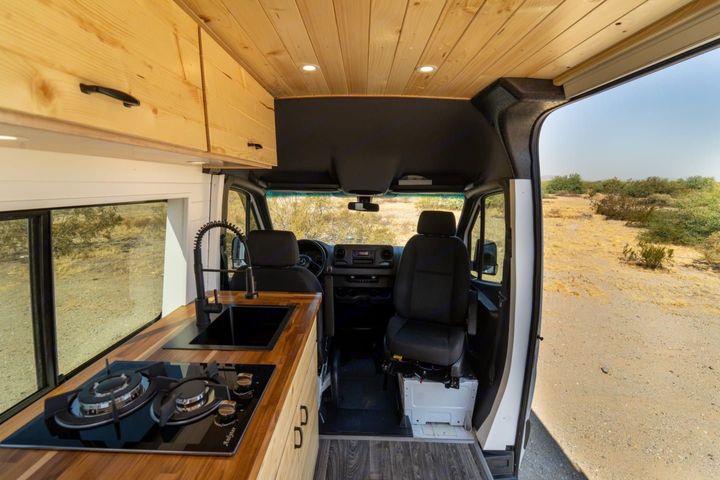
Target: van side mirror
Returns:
[[485, 261], [238, 252]]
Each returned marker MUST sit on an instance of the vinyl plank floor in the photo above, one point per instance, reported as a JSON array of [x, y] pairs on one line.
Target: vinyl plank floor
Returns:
[[349, 459]]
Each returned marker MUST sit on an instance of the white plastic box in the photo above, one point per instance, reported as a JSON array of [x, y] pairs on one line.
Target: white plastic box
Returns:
[[430, 402]]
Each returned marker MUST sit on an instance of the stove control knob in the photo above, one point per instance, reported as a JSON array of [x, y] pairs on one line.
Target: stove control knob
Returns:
[[226, 413], [243, 382]]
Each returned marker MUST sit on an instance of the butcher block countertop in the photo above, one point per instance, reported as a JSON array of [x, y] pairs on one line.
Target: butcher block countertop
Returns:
[[147, 345]]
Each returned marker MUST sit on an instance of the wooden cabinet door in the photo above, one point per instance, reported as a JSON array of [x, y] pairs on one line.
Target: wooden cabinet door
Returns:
[[146, 48], [240, 112]]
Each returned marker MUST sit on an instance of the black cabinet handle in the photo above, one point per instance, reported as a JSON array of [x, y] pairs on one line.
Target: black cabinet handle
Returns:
[[256, 146], [299, 430], [303, 408], [126, 99]]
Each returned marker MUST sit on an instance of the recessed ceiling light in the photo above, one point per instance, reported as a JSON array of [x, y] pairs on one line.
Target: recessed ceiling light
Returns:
[[11, 138], [426, 68], [196, 162], [309, 67]]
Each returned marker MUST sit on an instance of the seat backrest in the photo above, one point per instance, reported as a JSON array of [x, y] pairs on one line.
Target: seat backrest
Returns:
[[274, 256], [433, 277]]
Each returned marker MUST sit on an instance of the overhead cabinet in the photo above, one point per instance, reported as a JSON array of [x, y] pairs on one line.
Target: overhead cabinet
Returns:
[[133, 72], [129, 67], [240, 112]]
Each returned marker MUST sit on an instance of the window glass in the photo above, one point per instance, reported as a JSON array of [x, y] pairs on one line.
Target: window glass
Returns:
[[108, 264], [325, 216], [238, 203], [17, 356], [490, 228]]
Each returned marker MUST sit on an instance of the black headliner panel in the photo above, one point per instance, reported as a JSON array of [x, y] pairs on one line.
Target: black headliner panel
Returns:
[[448, 141]]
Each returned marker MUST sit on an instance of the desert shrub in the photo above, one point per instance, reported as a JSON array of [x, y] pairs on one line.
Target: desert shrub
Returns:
[[660, 200], [565, 184], [711, 249], [619, 207], [651, 185], [610, 185], [13, 238], [439, 202], [74, 230], [648, 255], [699, 183], [692, 220]]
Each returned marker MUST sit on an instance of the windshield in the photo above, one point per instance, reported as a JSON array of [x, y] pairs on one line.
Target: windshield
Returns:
[[325, 216]]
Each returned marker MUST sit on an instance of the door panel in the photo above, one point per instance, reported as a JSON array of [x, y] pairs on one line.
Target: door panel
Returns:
[[500, 428]]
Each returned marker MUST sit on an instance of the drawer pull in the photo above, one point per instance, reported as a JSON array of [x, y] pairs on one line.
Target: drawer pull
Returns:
[[298, 430], [126, 99], [256, 146], [304, 409]]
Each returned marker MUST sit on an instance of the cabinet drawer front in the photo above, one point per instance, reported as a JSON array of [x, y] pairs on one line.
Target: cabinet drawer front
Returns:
[[289, 415], [241, 113], [147, 49]]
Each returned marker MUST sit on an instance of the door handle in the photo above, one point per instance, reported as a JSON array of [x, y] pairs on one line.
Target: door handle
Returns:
[[298, 430], [256, 146], [126, 99], [303, 408]]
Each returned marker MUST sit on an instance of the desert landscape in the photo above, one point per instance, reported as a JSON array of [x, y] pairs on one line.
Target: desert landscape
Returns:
[[628, 380]]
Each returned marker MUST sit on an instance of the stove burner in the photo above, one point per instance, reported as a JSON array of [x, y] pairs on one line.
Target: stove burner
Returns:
[[106, 399], [192, 395], [188, 400], [98, 398]]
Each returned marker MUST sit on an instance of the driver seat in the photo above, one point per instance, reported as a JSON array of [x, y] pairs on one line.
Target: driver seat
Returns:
[[274, 255]]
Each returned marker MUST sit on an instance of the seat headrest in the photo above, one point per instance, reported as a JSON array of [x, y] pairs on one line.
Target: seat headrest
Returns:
[[273, 248], [436, 223]]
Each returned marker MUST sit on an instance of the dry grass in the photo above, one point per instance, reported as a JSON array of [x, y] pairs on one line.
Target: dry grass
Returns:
[[656, 413]]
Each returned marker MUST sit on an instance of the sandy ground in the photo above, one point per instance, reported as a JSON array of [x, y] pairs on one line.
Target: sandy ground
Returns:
[[628, 379]]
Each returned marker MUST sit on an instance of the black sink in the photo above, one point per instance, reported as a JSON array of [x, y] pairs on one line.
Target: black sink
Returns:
[[237, 327]]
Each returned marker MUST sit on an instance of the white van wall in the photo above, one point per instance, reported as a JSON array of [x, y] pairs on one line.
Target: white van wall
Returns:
[[31, 179]]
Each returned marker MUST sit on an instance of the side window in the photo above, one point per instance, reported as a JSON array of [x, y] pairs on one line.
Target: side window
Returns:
[[239, 212], [487, 239]]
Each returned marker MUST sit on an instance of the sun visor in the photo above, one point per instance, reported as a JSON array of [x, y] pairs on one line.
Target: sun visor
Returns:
[[364, 171]]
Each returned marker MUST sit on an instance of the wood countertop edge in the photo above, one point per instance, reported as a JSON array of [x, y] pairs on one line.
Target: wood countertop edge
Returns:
[[149, 344]]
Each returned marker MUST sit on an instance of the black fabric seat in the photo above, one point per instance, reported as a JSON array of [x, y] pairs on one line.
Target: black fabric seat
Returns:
[[431, 294], [274, 255]]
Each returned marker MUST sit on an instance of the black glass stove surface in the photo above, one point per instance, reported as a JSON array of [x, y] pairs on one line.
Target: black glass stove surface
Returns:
[[200, 409]]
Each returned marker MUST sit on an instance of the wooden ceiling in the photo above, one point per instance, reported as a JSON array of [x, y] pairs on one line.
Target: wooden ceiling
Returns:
[[373, 47]]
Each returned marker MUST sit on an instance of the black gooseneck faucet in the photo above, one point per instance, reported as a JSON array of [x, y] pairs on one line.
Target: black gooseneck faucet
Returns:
[[202, 306]]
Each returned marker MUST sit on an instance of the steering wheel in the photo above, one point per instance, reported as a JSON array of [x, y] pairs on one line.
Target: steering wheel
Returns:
[[312, 256]]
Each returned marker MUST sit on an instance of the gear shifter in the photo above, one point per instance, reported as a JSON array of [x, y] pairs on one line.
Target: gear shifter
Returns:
[[202, 306]]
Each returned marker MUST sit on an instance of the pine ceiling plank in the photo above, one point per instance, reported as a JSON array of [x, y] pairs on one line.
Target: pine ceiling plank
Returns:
[[420, 20], [216, 19], [251, 17], [491, 17], [630, 23], [562, 18], [454, 20], [606, 14], [353, 21], [386, 19], [319, 18], [525, 18], [285, 17]]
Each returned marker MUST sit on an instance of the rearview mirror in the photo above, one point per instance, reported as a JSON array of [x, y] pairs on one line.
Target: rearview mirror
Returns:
[[238, 252], [486, 261], [364, 204]]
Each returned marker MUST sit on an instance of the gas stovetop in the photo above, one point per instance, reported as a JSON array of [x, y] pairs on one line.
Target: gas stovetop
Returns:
[[187, 408]]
